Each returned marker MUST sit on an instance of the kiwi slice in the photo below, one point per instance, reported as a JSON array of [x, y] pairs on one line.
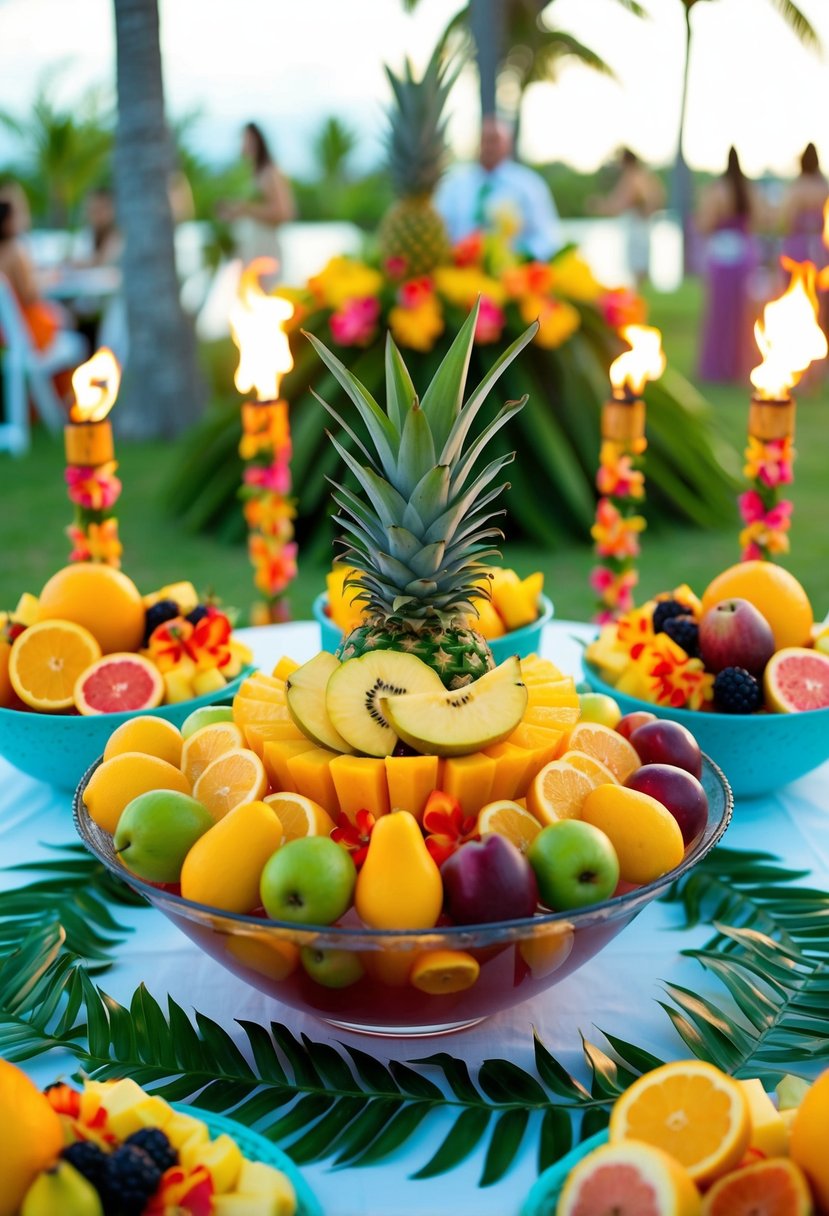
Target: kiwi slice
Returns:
[[357, 687], [305, 695]]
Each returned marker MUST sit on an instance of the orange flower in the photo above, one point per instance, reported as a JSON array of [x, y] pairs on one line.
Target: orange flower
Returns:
[[616, 535]]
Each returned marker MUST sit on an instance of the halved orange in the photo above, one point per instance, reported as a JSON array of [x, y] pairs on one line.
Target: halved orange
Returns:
[[300, 816], [776, 1185], [605, 745], [691, 1110], [628, 1179], [558, 792], [206, 745], [47, 659], [440, 972], [599, 773], [237, 776], [509, 819]]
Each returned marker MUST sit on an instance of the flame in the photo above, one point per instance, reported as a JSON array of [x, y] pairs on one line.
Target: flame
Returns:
[[96, 387], [256, 322], [644, 361], [788, 336]]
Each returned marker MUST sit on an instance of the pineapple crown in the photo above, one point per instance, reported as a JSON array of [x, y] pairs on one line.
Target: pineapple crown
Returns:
[[420, 529], [416, 138]]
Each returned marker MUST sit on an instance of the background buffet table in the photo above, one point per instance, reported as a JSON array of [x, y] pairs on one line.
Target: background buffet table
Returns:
[[617, 991]]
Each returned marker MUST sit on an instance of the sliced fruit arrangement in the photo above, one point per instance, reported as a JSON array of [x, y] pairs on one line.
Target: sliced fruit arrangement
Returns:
[[749, 644], [90, 644], [689, 1140], [111, 1147]]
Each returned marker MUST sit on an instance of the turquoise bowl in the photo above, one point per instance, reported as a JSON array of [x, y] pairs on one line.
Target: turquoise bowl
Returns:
[[522, 642], [258, 1148], [757, 752], [547, 1188], [59, 748]]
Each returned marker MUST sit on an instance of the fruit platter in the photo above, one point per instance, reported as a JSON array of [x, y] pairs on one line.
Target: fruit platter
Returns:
[[91, 652], [406, 837], [689, 1139], [111, 1148], [745, 668]]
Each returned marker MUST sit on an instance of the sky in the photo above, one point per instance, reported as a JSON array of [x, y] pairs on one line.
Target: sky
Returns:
[[290, 63]]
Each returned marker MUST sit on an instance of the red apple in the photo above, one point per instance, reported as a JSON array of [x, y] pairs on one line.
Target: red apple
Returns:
[[631, 722], [488, 880], [666, 742], [678, 791], [735, 634]]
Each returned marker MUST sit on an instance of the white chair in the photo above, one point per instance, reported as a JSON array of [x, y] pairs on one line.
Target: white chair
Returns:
[[27, 374]]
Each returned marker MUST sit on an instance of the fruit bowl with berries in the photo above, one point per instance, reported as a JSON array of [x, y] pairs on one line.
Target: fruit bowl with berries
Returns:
[[90, 652], [745, 668]]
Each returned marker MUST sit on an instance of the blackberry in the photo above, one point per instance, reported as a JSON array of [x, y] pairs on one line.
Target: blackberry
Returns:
[[685, 632], [132, 1177], [198, 614], [736, 691], [664, 610], [163, 611], [91, 1161], [156, 1145]]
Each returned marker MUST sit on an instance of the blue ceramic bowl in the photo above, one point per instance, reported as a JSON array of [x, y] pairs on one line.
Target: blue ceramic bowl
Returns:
[[258, 1148], [59, 748], [519, 641], [547, 1188], [757, 752]]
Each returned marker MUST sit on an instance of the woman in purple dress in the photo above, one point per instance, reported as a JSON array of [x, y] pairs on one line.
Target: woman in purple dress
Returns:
[[802, 212], [727, 218]]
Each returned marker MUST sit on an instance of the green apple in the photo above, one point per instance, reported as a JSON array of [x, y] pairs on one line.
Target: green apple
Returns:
[[156, 832], [575, 865], [332, 968], [599, 707], [206, 716], [308, 881]]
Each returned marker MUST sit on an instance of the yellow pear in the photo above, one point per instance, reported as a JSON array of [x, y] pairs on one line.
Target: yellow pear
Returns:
[[399, 886], [32, 1136]]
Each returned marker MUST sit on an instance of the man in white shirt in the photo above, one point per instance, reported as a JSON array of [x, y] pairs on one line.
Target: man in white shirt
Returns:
[[498, 194]]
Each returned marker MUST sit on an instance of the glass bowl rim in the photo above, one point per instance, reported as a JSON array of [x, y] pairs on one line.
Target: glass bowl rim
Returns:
[[439, 935]]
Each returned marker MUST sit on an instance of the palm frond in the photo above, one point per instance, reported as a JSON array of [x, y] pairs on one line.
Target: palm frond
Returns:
[[799, 23]]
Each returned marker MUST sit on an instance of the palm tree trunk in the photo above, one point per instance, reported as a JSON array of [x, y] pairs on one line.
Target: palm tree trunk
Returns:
[[486, 21], [681, 199], [162, 391]]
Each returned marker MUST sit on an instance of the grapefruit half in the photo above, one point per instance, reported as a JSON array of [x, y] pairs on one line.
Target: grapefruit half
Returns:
[[797, 678], [119, 683]]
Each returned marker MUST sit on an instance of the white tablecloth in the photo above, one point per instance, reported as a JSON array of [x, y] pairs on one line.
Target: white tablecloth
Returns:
[[617, 991]]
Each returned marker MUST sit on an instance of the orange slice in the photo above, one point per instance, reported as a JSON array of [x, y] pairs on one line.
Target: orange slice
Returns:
[[236, 777], [300, 816], [557, 792], [47, 659], [148, 734], [628, 1179], [599, 773], [691, 1110], [606, 746], [509, 819], [440, 972], [206, 745], [777, 1186]]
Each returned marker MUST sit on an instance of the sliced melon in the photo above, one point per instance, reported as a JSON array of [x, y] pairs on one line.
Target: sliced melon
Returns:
[[465, 720], [305, 694], [357, 688]]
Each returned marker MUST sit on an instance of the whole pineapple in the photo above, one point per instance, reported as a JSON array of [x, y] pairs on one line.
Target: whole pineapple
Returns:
[[412, 231], [421, 525]]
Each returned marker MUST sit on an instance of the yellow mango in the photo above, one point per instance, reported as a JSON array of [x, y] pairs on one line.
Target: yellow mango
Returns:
[[533, 584], [552, 717], [487, 622], [345, 614], [543, 746], [515, 604], [262, 952], [310, 772], [27, 610], [769, 1133], [399, 885], [185, 1129], [275, 756], [360, 782], [284, 668], [512, 770], [411, 780], [634, 682], [222, 1157], [178, 685], [208, 681], [469, 779], [257, 734], [262, 688], [248, 709], [551, 695], [224, 865]]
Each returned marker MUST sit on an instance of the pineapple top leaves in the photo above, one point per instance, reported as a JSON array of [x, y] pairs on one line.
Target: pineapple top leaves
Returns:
[[420, 525], [416, 139]]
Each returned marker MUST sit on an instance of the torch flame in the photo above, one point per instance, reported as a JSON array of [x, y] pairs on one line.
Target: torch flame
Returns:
[[256, 322], [96, 387], [644, 361], [788, 336]]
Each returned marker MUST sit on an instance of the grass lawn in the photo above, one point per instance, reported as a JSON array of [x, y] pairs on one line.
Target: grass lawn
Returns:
[[35, 512]]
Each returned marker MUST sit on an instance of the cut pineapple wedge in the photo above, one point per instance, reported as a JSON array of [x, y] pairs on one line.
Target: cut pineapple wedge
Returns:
[[462, 721]]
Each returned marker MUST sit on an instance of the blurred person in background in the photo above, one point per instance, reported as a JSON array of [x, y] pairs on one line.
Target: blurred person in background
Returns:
[[100, 242], [729, 213], [495, 194], [43, 319], [637, 194], [801, 211], [256, 220]]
